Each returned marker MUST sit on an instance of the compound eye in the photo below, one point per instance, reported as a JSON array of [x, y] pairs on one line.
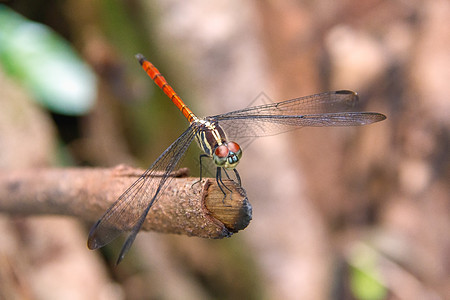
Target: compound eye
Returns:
[[221, 151], [220, 155], [233, 147]]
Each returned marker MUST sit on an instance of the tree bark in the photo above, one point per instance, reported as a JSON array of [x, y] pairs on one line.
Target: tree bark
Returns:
[[187, 206]]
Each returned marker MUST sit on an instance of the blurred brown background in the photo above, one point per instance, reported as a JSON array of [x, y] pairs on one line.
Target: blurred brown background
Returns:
[[329, 204]]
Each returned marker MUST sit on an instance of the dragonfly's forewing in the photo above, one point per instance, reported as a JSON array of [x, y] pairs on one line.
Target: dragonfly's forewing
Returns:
[[325, 109], [328, 102]]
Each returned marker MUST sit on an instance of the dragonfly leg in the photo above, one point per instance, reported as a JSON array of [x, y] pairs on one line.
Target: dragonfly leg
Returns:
[[201, 169], [226, 173], [201, 165], [236, 173], [220, 182], [238, 177]]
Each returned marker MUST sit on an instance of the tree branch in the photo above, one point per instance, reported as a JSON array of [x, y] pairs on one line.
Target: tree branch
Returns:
[[184, 208]]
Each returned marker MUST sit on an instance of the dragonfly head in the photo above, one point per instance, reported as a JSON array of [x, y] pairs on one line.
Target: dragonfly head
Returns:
[[227, 155]]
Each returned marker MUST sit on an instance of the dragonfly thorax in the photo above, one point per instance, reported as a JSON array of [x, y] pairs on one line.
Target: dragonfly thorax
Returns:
[[213, 141]]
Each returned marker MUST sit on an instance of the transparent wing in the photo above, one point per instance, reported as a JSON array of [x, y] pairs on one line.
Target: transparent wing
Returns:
[[257, 126], [129, 211], [325, 109], [328, 102]]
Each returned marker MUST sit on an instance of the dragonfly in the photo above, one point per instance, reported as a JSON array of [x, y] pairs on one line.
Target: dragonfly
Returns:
[[216, 137]]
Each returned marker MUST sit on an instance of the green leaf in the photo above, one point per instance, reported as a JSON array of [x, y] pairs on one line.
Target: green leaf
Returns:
[[45, 63], [366, 282]]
